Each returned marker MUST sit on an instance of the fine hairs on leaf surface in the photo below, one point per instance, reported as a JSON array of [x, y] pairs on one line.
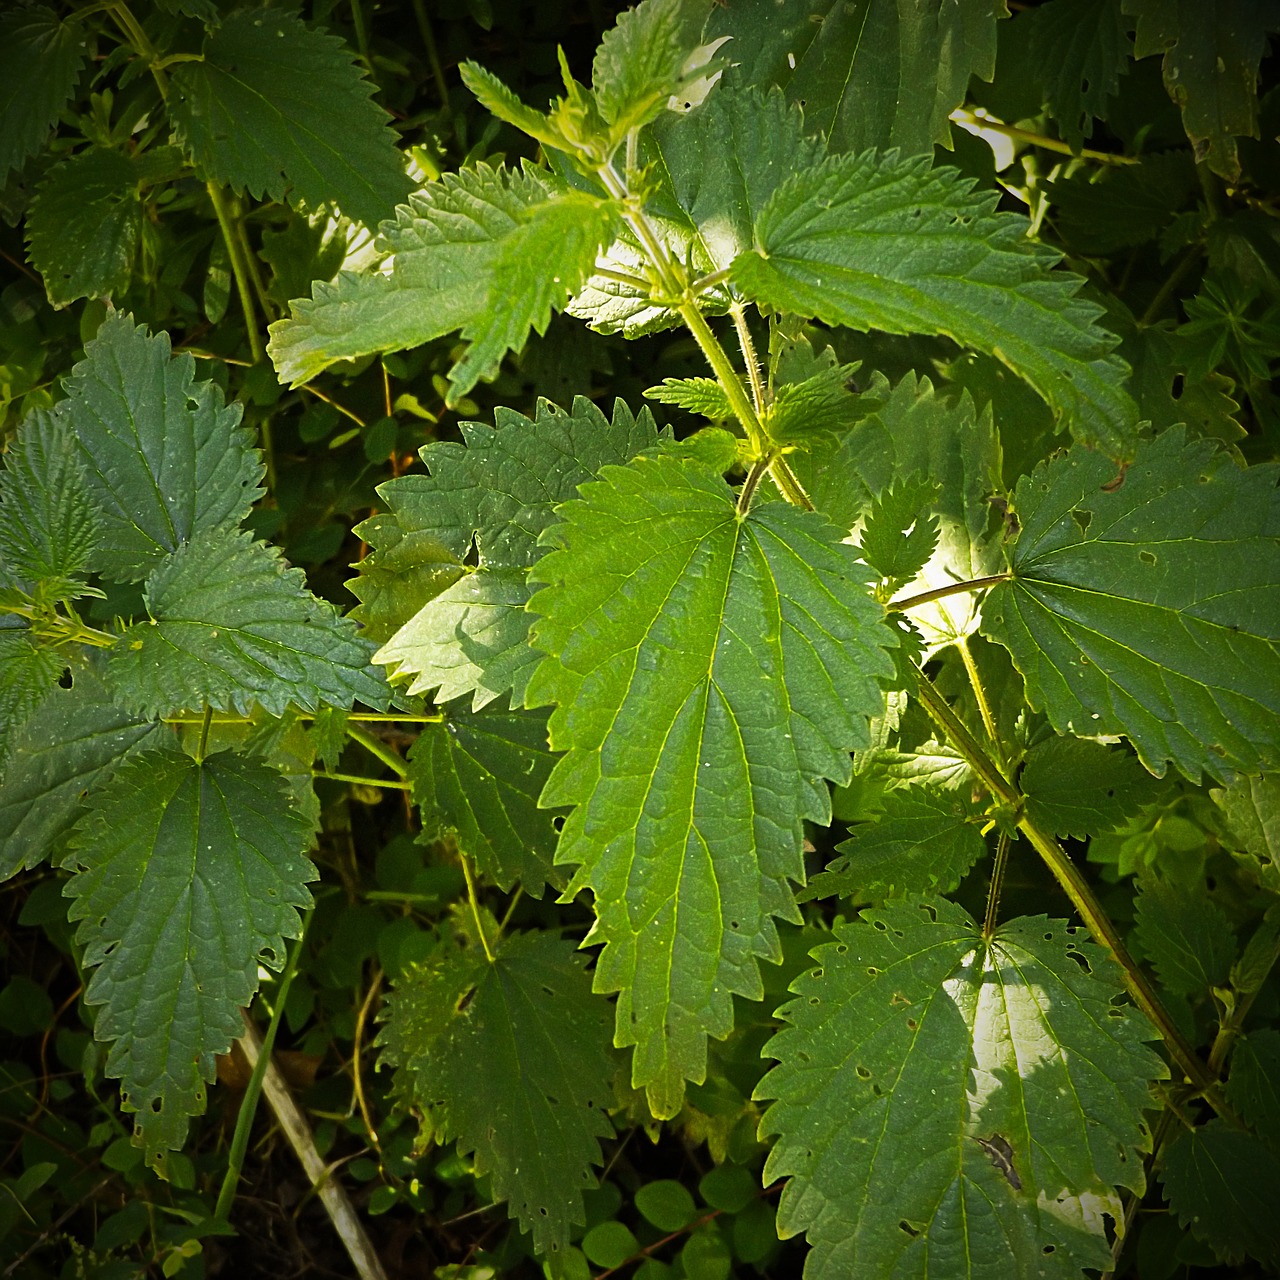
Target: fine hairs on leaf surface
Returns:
[[511, 1057], [946, 1104], [708, 670], [1148, 605], [188, 875]]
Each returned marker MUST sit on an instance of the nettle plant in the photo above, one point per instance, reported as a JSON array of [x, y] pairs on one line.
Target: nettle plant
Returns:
[[638, 666]]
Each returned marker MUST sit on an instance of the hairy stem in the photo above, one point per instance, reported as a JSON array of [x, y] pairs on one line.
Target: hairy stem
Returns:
[[379, 749], [393, 784], [473, 898], [1077, 889], [951, 589], [980, 122], [997, 883]]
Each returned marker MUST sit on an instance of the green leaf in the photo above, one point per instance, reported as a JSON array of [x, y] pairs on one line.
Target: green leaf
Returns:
[[498, 491], [641, 62], [719, 164], [83, 226], [1187, 937], [27, 672], [900, 534], [512, 1059], [61, 754], [1224, 1185], [1082, 48], [926, 842], [885, 243], [1252, 809], [547, 257], [698, 395], [497, 99], [868, 73], [281, 110], [40, 61], [709, 670], [230, 625], [166, 459], [48, 522], [1148, 604], [479, 776], [1211, 59], [448, 244], [1254, 1086], [188, 876], [955, 1106], [801, 409], [1075, 787]]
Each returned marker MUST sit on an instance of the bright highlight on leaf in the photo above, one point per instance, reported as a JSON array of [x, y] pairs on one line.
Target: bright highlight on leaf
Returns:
[[947, 1105], [1148, 604], [879, 242], [709, 671], [511, 1058], [279, 109], [188, 877]]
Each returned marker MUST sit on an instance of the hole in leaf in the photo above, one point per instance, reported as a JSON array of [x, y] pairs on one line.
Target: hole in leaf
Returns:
[[872, 971], [842, 950], [1146, 557], [1083, 519], [863, 1073], [558, 822], [912, 1024], [904, 1225], [1177, 386]]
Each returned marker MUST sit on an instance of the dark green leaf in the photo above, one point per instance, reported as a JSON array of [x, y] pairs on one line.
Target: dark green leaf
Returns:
[[900, 533], [1224, 1185], [1079, 788], [926, 842], [1252, 808], [1082, 48], [1187, 937], [1148, 604], [60, 754], [479, 776], [1254, 1086], [280, 109], [231, 625], [188, 877], [27, 672], [48, 522], [446, 243], [885, 243], [1211, 56], [83, 226], [512, 1059], [708, 670], [498, 491], [166, 459], [869, 73], [698, 395], [819, 403], [40, 61], [948, 1105]]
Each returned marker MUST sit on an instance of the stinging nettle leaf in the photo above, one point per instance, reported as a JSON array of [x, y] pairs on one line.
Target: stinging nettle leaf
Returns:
[[879, 242], [1187, 937], [166, 459], [498, 491], [281, 110], [698, 395], [869, 73], [479, 776], [949, 1105], [28, 670], [49, 526], [1254, 1086], [900, 533], [511, 1058], [1075, 787], [709, 671], [188, 876], [62, 753], [1148, 604], [1252, 809], [40, 62], [230, 626], [926, 842], [1224, 1184]]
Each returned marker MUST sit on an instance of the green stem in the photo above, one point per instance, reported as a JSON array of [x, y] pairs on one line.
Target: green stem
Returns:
[[1077, 889], [951, 589], [433, 57], [203, 744], [379, 749], [1171, 282], [362, 34], [980, 694], [749, 360], [475, 904], [1229, 1028], [137, 36], [249, 1103], [973, 122], [394, 785], [997, 883]]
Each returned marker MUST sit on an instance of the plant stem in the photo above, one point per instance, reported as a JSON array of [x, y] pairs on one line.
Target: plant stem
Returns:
[[1229, 1028], [433, 57], [980, 694], [376, 747], [475, 904], [997, 883], [750, 484], [396, 785], [357, 1078], [249, 1103], [739, 314], [952, 589], [1171, 282], [222, 210], [976, 122], [1077, 889], [204, 735]]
